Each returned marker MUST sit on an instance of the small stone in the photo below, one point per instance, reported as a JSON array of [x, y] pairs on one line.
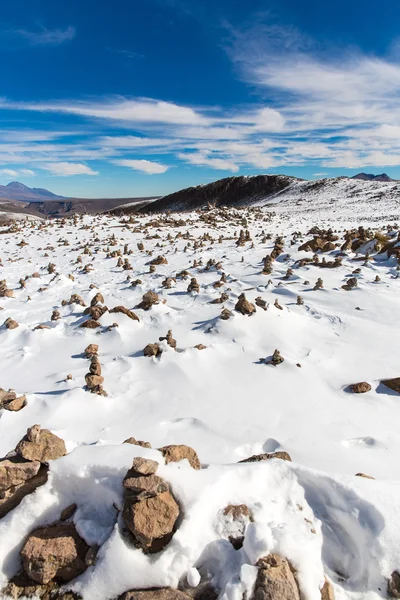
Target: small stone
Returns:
[[68, 512], [268, 456], [176, 453], [360, 388]]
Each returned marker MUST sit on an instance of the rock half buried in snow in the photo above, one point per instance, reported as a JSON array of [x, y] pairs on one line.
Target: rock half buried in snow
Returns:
[[9, 401], [275, 580], [176, 453], [40, 444], [155, 594], [18, 478], [54, 551], [234, 520], [360, 388], [393, 384], [394, 585], [150, 510], [244, 306], [267, 456]]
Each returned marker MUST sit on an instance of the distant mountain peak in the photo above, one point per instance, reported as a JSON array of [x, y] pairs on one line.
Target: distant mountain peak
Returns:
[[371, 177], [22, 193]]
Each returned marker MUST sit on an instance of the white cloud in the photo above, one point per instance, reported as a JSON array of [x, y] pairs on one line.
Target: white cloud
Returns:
[[46, 37], [9, 172], [140, 111], [28, 172], [202, 160], [66, 169], [145, 166]]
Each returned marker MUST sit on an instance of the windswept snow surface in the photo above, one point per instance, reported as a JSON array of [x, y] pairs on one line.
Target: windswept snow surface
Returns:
[[223, 401]]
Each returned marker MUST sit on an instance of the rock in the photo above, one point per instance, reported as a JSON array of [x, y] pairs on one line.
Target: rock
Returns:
[[90, 324], [68, 512], [193, 286], [145, 486], [200, 347], [148, 300], [95, 366], [144, 466], [91, 350], [327, 591], [350, 284], [97, 299], [6, 397], [125, 311], [276, 359], [244, 306], [151, 520], [360, 388], [54, 551], [267, 456], [152, 350], [275, 580], [10, 323], [393, 384], [16, 404], [23, 476], [225, 314], [176, 453], [364, 475], [155, 594], [135, 442], [235, 518], [44, 447], [394, 585], [20, 586], [13, 472], [93, 381]]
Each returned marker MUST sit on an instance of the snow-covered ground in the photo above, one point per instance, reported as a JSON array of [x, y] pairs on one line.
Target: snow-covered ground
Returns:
[[223, 400]]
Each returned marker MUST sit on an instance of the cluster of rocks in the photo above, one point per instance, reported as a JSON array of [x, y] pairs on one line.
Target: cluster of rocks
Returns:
[[25, 468], [10, 401], [94, 379]]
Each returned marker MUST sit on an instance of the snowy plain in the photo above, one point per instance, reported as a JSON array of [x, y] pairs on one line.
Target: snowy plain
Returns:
[[223, 401]]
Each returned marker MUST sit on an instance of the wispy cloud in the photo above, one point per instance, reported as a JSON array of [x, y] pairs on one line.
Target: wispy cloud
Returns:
[[65, 169], [19, 173], [43, 36], [145, 166]]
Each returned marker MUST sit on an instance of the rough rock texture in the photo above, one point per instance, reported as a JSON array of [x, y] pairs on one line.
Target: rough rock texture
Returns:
[[327, 591], [150, 511], [91, 350], [135, 442], [236, 517], [244, 306], [12, 496], [267, 456], [10, 401], [394, 585], [54, 551], [155, 594], [360, 388], [148, 299], [42, 446], [275, 580], [176, 453], [393, 384], [125, 311], [151, 520]]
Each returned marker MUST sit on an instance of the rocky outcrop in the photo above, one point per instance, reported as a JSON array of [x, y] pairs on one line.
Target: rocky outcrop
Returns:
[[275, 580], [150, 511], [40, 445], [267, 456], [54, 551]]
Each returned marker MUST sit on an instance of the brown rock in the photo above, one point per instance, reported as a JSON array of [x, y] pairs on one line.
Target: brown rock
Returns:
[[125, 311], [152, 350], [12, 496], [151, 520], [10, 323], [14, 471], [135, 442], [244, 306], [275, 580], [327, 591], [93, 381], [91, 350], [68, 512], [148, 299], [6, 397], [16, 404], [360, 388], [45, 447], [394, 585], [90, 324], [236, 517], [97, 299], [144, 466], [267, 456], [178, 452], [54, 551], [364, 475], [393, 384], [145, 485], [155, 594]]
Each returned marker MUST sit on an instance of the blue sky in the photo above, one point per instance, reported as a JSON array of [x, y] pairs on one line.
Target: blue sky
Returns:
[[144, 97]]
